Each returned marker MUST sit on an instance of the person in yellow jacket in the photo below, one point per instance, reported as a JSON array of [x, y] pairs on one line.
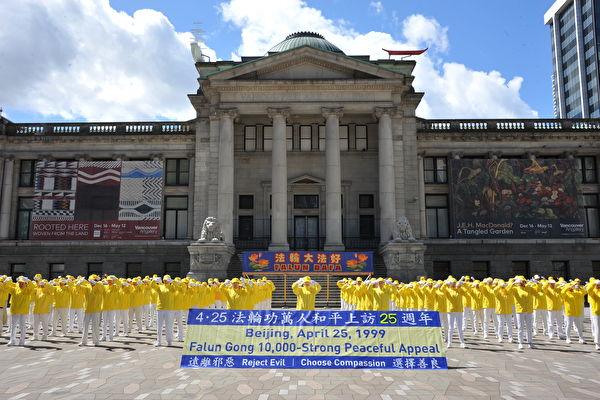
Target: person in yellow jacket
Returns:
[[93, 291], [165, 308], [540, 307], [523, 294], [20, 298], [441, 305], [380, 295], [76, 311], [180, 306], [306, 291], [136, 306], [122, 312], [454, 294], [234, 294], [43, 297], [476, 300], [110, 305], [554, 304], [593, 292], [3, 301], [572, 295], [503, 309], [62, 303], [486, 289]]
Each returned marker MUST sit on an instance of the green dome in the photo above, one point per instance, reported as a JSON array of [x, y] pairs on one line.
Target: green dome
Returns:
[[300, 39]]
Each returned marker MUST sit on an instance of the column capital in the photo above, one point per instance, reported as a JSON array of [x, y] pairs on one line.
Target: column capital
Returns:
[[328, 111], [283, 111], [391, 111], [213, 114], [227, 112]]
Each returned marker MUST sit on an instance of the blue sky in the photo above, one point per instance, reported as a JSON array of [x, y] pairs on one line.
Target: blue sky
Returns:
[[507, 36]]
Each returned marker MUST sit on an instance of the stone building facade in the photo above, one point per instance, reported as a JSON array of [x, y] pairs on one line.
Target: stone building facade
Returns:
[[303, 148]]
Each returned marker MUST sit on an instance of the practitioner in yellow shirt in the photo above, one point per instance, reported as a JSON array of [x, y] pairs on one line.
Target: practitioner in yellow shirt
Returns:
[[165, 307], [554, 305], [454, 300], [486, 289], [523, 294], [43, 297], [77, 305], [380, 295], [593, 291], [20, 298], [62, 303], [110, 306], [306, 291], [503, 310], [93, 291], [572, 295]]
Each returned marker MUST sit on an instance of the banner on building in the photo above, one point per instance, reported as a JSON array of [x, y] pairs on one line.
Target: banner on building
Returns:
[[307, 262], [97, 200], [517, 198], [313, 339]]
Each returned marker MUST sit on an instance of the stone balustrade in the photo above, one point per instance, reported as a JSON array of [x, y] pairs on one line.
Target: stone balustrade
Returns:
[[100, 128], [518, 125]]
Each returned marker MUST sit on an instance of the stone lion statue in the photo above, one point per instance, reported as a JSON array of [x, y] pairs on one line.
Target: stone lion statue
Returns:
[[211, 231], [402, 230]]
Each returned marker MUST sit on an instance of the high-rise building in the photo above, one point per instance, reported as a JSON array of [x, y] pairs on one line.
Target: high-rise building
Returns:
[[574, 35]]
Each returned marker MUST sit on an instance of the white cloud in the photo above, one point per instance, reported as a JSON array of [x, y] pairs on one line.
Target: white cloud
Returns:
[[452, 90], [82, 59], [377, 6]]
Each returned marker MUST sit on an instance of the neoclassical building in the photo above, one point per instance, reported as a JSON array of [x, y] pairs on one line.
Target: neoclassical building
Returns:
[[306, 147]]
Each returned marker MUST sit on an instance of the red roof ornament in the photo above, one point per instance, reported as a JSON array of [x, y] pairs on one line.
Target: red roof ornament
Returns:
[[405, 53]]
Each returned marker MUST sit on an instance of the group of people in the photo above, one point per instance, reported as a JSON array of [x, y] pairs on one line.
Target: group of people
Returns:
[[109, 306], [554, 306]]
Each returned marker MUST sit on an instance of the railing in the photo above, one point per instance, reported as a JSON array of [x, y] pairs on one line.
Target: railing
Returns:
[[306, 243], [102, 129], [519, 125]]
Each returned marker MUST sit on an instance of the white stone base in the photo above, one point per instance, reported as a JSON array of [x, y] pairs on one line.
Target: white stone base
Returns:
[[209, 260], [404, 260]]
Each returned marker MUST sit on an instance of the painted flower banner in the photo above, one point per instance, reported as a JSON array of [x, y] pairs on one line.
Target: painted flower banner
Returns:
[[515, 198], [306, 262]]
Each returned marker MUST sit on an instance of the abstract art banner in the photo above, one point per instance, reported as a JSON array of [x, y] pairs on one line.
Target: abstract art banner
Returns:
[[313, 339], [515, 198], [97, 200]]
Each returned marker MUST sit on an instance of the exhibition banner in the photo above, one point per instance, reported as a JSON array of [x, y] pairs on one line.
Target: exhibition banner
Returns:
[[313, 339], [97, 200], [515, 198], [307, 262]]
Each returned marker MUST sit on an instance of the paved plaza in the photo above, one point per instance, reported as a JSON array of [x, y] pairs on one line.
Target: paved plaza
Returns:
[[132, 368]]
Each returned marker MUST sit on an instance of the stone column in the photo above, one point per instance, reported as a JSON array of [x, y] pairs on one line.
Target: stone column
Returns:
[[279, 180], [225, 201], [333, 180], [7, 191], [422, 210], [387, 190]]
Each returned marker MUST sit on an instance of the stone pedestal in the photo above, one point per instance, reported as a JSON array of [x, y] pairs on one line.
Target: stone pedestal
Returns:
[[404, 259], [209, 260]]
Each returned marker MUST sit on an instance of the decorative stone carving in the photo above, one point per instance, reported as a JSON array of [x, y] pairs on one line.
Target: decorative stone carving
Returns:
[[402, 231], [211, 231], [337, 111], [209, 259]]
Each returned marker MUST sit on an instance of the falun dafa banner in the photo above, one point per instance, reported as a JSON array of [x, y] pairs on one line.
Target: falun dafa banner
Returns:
[[313, 339], [307, 262]]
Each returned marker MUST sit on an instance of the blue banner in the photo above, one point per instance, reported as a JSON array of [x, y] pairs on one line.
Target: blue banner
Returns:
[[313, 339], [307, 262]]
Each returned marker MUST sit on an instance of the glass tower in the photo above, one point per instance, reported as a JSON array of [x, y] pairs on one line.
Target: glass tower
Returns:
[[574, 28]]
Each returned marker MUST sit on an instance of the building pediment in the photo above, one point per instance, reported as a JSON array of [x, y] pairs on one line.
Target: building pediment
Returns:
[[306, 180], [305, 63]]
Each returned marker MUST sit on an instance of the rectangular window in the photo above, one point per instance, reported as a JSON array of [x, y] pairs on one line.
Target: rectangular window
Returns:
[[591, 209], [267, 138], [246, 202], [367, 226], [361, 141], [289, 137], [306, 201], [560, 269], [173, 269], [436, 211], [587, 169], [305, 138], [25, 207], [245, 227], [481, 269], [27, 173], [435, 169], [16, 270], [322, 138], [250, 138], [366, 201], [56, 270], [520, 268], [177, 172], [94, 268], [343, 137], [441, 270], [176, 217], [133, 269]]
